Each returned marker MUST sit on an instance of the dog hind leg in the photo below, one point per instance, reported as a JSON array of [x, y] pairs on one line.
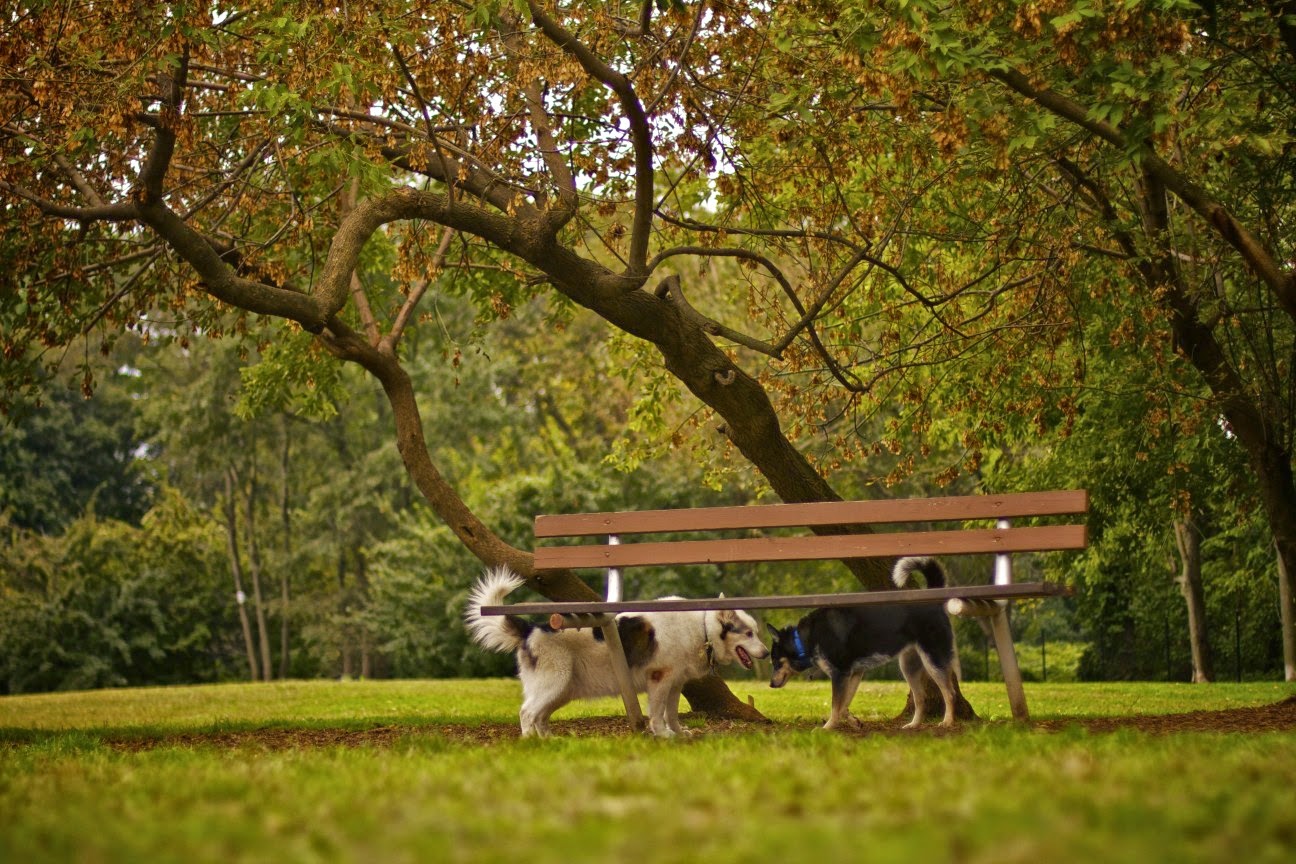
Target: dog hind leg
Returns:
[[545, 689], [672, 708], [943, 675], [911, 667], [537, 708]]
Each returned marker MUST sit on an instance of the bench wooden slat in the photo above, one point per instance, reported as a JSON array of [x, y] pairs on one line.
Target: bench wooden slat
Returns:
[[814, 548], [1017, 590], [1014, 505]]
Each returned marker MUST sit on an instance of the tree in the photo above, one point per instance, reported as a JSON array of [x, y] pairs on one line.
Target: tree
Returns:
[[177, 159], [332, 170], [1148, 156], [111, 604], [73, 454]]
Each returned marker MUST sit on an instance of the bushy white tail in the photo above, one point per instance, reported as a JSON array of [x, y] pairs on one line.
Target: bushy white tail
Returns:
[[504, 633], [929, 567]]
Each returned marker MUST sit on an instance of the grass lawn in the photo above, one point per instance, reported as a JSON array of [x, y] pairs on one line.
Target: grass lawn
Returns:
[[151, 775]]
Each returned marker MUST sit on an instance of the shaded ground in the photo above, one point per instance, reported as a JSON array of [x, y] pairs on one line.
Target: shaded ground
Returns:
[[1278, 717]]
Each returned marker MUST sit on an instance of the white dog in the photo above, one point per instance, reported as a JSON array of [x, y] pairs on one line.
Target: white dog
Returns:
[[664, 650]]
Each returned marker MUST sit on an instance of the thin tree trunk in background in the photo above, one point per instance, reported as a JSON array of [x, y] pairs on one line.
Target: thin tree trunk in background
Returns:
[[344, 615], [362, 591], [1287, 608], [285, 569], [1188, 540], [254, 568], [236, 567]]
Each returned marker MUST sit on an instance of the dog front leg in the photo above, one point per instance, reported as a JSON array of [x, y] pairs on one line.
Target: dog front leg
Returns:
[[852, 685], [659, 694], [843, 689]]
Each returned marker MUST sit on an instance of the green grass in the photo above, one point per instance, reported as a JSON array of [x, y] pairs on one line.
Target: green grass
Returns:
[[996, 792]]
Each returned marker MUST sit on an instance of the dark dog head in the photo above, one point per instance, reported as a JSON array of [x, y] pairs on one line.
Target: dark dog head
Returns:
[[788, 654]]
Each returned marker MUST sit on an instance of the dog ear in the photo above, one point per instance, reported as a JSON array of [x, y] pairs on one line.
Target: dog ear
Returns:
[[721, 595]]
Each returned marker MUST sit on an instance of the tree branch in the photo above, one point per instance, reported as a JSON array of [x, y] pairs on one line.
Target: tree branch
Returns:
[[640, 134], [542, 125], [416, 294], [121, 212], [1233, 232], [149, 184]]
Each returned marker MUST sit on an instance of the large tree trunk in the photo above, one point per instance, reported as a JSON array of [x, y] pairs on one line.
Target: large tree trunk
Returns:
[[1190, 585], [1287, 608]]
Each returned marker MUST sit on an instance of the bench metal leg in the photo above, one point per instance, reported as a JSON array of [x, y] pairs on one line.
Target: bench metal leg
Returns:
[[622, 672], [1008, 663], [1003, 638], [612, 638]]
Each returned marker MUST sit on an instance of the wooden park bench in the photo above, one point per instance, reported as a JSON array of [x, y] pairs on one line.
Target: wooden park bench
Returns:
[[953, 537]]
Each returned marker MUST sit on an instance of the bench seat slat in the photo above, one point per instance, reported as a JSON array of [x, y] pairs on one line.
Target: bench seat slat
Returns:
[[1016, 590], [1008, 506], [813, 548]]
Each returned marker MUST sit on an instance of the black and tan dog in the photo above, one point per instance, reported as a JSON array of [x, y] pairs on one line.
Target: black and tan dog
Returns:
[[845, 642]]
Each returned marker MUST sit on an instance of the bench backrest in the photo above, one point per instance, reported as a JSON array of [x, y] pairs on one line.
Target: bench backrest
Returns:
[[822, 516]]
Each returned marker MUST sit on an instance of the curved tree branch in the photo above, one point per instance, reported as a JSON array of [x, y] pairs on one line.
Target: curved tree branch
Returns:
[[384, 365]]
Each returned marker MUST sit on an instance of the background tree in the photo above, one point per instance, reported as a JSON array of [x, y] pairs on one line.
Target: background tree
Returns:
[[111, 604], [1111, 123], [71, 455]]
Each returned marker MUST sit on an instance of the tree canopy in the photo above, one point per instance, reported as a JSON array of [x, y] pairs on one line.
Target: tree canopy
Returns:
[[860, 235]]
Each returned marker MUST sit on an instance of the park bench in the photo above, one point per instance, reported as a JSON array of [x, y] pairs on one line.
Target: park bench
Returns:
[[837, 526]]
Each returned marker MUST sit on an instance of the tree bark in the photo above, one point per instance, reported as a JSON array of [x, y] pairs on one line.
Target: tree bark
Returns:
[[1287, 608], [345, 631], [1188, 540], [236, 568], [285, 568], [254, 570], [362, 595]]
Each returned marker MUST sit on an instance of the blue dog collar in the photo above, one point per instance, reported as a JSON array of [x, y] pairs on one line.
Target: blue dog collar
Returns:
[[801, 660]]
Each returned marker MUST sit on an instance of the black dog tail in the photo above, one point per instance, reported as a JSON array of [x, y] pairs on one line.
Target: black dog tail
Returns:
[[932, 571]]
